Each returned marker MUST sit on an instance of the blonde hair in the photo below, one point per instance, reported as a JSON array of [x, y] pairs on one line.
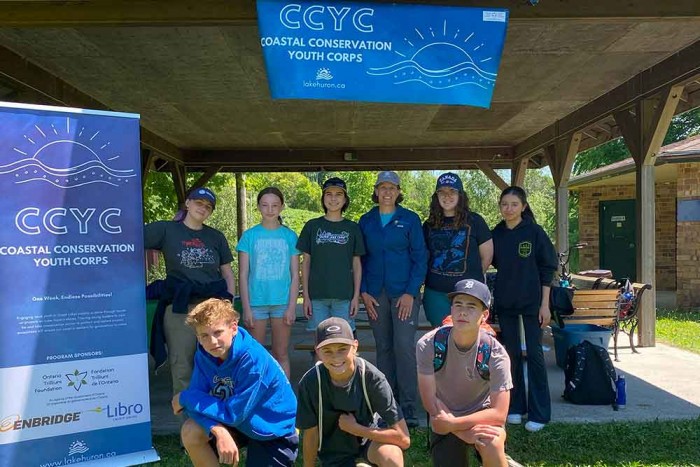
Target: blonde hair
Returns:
[[211, 311]]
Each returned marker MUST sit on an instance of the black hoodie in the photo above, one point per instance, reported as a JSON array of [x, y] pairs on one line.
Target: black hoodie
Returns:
[[526, 261]]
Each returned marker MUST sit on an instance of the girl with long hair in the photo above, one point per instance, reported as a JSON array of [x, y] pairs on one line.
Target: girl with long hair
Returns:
[[526, 263], [269, 276], [459, 245]]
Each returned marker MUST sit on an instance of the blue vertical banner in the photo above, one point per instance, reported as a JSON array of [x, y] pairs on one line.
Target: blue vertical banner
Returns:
[[381, 52], [73, 358]]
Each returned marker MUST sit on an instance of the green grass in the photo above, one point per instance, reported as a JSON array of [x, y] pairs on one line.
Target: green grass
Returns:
[[679, 328], [659, 443]]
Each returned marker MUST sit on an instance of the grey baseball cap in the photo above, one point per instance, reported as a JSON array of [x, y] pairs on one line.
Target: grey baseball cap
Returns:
[[388, 176], [472, 287]]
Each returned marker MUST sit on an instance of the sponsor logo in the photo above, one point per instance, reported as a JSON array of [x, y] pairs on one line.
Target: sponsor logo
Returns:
[[120, 411], [16, 422], [78, 447], [524, 249], [77, 379]]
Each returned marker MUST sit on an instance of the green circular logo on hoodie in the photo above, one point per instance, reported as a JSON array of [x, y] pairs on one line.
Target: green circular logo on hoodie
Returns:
[[525, 249]]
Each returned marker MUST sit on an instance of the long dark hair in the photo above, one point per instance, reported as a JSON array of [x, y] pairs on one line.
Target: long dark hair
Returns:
[[272, 190], [436, 219], [520, 193]]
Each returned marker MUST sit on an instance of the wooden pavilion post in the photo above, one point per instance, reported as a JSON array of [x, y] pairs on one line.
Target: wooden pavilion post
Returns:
[[643, 128], [561, 157]]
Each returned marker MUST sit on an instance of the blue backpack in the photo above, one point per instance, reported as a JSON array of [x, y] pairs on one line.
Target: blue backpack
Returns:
[[483, 353]]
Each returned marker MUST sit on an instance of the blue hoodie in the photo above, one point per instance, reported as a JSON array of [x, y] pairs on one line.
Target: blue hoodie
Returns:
[[248, 391], [396, 258]]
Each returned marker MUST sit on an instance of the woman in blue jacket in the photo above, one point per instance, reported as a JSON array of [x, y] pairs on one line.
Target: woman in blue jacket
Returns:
[[526, 263], [392, 273]]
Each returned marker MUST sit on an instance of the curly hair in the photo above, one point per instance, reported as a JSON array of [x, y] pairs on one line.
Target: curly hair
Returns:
[[211, 311], [436, 219]]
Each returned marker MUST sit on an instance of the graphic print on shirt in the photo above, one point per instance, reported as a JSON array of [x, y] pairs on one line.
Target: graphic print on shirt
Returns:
[[195, 254], [340, 238], [450, 248], [271, 259], [223, 387]]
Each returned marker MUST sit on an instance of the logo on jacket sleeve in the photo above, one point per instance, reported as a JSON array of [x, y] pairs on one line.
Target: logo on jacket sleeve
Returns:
[[525, 249], [223, 387]]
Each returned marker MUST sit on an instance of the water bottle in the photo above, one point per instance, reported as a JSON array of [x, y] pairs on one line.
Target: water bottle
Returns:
[[621, 386]]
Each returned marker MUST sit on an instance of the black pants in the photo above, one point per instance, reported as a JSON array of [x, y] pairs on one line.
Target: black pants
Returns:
[[537, 404]]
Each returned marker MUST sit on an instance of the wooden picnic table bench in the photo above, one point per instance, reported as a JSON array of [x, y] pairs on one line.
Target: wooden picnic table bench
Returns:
[[599, 301]]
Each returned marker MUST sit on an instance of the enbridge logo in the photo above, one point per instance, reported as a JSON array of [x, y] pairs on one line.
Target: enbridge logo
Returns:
[[16, 422]]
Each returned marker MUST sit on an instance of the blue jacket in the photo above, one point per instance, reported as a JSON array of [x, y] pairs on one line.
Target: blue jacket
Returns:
[[249, 391], [396, 258]]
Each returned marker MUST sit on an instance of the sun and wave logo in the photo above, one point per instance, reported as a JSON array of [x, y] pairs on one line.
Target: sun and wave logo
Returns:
[[442, 61], [65, 157], [78, 447], [324, 73]]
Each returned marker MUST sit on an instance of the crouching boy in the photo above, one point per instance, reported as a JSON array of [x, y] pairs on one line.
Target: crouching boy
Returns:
[[340, 401], [238, 395], [464, 382]]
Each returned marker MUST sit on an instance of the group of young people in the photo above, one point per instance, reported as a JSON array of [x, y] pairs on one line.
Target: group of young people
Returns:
[[348, 408]]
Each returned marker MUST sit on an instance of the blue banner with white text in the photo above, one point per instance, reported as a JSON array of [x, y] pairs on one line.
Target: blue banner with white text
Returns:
[[381, 52], [73, 358]]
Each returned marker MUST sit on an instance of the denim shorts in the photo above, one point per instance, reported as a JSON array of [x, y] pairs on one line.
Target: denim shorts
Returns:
[[324, 308], [268, 311]]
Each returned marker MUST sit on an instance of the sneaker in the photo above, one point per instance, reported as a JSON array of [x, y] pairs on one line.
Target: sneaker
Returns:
[[534, 426], [514, 419]]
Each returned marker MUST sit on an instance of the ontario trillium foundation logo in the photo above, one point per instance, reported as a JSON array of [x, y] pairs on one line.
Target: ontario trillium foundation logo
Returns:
[[525, 249], [77, 379]]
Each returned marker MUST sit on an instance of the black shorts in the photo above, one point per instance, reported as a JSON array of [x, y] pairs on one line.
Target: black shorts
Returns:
[[351, 461], [272, 453]]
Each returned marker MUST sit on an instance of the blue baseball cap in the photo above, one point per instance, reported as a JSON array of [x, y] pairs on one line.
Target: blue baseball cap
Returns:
[[203, 193], [388, 176], [449, 180], [474, 288]]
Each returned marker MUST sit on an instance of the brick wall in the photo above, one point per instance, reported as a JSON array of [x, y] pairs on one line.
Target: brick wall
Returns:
[[589, 199], [688, 240]]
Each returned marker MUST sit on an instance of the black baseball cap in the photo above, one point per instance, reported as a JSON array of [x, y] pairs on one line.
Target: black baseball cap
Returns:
[[474, 288], [334, 331], [335, 182]]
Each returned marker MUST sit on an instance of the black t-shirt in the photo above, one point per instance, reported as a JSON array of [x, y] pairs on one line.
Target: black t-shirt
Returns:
[[338, 445], [453, 254]]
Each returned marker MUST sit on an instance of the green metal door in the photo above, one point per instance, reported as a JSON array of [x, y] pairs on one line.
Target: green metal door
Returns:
[[618, 251]]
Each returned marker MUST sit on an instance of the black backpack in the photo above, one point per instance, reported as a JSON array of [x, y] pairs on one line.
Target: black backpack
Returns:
[[589, 375]]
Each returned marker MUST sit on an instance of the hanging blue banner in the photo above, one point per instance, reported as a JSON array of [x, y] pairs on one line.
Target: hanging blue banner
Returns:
[[381, 52], [73, 361]]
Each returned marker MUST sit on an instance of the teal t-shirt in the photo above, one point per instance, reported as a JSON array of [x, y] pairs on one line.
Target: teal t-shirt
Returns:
[[332, 246], [269, 253], [386, 218]]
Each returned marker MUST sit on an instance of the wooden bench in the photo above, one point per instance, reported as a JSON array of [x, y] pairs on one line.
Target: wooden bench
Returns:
[[598, 301]]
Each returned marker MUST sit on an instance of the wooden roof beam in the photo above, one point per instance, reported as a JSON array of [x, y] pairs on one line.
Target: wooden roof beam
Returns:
[[679, 69], [33, 13], [37, 86]]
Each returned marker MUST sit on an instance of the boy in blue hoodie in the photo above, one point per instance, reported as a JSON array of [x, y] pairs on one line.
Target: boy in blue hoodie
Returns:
[[238, 395]]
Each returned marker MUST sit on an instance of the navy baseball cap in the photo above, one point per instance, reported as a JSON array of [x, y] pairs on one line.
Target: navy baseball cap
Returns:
[[203, 193], [335, 182], [474, 288], [449, 180], [388, 176]]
